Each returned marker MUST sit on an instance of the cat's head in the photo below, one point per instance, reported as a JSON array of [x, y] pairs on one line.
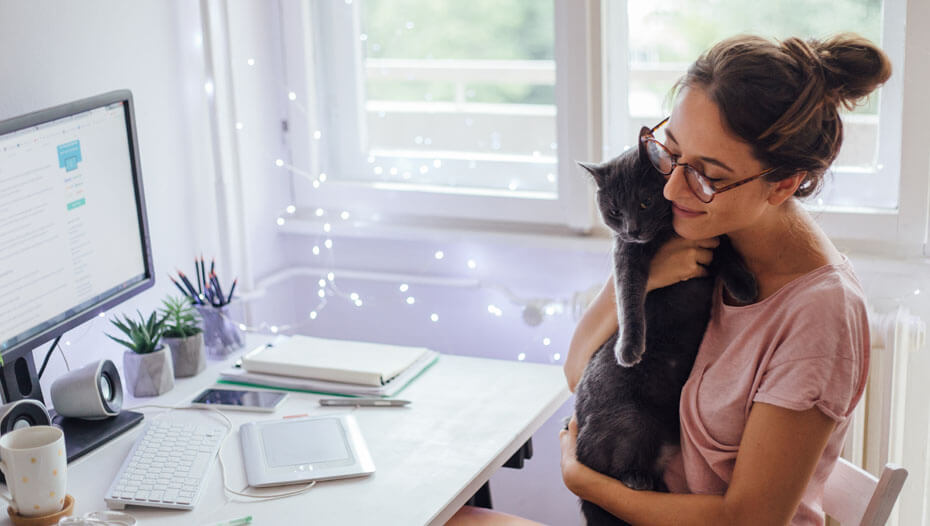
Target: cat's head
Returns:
[[629, 195]]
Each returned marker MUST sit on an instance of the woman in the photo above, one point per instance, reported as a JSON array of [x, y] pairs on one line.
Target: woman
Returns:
[[765, 411]]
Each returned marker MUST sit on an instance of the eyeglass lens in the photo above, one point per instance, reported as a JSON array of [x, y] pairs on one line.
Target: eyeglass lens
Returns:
[[661, 158]]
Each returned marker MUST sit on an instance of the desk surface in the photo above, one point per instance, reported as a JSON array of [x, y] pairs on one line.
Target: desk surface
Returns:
[[467, 417]]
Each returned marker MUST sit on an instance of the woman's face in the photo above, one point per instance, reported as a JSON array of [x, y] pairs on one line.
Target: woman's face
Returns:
[[696, 134]]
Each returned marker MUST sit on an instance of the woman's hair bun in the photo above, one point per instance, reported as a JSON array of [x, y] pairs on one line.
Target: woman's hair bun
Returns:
[[851, 66]]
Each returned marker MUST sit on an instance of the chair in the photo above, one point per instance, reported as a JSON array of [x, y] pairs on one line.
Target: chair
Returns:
[[854, 497]]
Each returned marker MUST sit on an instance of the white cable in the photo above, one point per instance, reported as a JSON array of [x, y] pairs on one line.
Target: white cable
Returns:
[[229, 430]]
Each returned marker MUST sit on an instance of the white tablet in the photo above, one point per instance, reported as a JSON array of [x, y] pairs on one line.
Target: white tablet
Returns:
[[289, 451]]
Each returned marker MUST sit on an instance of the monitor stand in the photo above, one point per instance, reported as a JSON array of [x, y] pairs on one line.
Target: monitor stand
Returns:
[[83, 436]]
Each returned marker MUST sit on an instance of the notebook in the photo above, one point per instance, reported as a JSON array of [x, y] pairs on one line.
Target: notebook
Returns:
[[344, 361], [239, 376]]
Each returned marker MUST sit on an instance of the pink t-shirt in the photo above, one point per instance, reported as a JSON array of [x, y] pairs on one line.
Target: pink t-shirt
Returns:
[[806, 345]]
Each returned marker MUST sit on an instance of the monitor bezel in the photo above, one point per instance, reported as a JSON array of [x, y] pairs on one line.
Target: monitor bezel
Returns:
[[124, 97]]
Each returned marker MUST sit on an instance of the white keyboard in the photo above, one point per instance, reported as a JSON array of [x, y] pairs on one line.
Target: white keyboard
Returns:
[[166, 467]]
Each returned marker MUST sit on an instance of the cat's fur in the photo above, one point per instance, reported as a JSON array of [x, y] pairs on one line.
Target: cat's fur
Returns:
[[627, 400]]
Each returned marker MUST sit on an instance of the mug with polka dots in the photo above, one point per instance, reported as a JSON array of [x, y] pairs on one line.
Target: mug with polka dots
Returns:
[[35, 465]]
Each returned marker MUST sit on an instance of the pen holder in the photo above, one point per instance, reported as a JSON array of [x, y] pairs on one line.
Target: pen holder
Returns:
[[221, 336]]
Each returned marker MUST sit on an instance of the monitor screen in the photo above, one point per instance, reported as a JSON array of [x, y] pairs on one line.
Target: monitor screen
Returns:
[[72, 222]]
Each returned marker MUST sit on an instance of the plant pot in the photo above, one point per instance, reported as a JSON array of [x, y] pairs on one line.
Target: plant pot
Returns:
[[148, 374], [187, 354], [221, 336]]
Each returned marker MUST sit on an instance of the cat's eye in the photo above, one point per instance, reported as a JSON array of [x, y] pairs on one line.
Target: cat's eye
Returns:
[[646, 203]]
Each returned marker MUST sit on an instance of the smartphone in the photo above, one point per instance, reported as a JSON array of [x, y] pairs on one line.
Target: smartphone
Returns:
[[240, 399]]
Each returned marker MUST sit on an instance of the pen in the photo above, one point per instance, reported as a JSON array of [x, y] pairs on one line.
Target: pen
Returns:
[[351, 402]]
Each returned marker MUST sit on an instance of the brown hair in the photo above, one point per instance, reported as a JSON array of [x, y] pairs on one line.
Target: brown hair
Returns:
[[783, 98]]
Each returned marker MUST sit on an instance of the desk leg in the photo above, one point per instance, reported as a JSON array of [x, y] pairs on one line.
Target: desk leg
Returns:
[[482, 497]]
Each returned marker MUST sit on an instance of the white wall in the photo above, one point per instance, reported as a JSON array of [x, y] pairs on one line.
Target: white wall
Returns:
[[56, 52]]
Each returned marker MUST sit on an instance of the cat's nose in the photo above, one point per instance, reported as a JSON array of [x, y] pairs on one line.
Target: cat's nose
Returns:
[[634, 233]]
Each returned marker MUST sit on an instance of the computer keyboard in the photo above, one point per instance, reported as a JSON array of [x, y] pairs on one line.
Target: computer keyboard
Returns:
[[166, 467]]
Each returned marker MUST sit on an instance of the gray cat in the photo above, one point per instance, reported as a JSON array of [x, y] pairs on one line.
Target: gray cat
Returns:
[[627, 400]]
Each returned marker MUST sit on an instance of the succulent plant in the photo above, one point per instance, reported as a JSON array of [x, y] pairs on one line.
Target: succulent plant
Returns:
[[180, 318], [144, 334]]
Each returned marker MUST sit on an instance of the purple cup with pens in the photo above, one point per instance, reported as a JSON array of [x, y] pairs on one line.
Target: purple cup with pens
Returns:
[[221, 334]]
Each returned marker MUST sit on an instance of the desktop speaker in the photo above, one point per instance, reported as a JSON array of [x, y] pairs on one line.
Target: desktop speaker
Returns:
[[23, 413], [91, 392]]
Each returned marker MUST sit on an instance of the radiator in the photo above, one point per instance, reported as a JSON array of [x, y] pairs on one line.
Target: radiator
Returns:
[[886, 425]]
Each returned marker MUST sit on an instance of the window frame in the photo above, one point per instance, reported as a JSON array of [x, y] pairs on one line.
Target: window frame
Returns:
[[578, 124]]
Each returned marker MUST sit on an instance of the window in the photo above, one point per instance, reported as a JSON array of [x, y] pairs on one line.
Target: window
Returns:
[[479, 110], [465, 110]]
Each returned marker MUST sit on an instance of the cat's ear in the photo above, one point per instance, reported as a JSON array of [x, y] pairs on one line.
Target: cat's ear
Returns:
[[598, 171], [642, 144]]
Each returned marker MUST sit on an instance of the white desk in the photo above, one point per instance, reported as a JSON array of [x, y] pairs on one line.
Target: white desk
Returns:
[[468, 416]]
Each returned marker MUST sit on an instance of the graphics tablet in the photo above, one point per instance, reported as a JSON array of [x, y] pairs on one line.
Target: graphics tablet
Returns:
[[290, 451]]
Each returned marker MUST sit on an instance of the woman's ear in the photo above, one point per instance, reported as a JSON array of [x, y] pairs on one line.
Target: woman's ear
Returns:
[[780, 191]]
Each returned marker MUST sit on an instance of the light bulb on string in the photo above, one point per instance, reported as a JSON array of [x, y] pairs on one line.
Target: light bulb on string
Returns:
[[330, 276], [411, 300], [318, 212], [328, 243], [404, 287], [434, 317], [472, 264], [291, 209], [316, 250]]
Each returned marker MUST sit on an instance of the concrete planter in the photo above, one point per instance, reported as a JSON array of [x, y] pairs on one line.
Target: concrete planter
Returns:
[[187, 354], [148, 374]]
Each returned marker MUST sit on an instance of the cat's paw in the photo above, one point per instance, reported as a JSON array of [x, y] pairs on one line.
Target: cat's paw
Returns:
[[628, 354], [637, 480]]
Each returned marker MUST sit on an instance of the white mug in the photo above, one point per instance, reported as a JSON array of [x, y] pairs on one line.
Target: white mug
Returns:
[[35, 465]]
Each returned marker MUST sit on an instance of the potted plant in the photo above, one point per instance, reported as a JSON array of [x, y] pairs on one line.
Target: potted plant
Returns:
[[146, 362], [184, 336]]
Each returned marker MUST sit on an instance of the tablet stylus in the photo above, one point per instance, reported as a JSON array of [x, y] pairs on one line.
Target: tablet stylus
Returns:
[[352, 402]]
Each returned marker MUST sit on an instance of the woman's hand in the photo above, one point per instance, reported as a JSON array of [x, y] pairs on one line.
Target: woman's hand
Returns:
[[680, 259], [572, 470]]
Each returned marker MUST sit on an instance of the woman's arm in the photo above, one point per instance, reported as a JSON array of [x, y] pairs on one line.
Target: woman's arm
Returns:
[[679, 259], [597, 323], [777, 455]]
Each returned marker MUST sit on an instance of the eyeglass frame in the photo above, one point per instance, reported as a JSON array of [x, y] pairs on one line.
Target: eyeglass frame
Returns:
[[649, 136]]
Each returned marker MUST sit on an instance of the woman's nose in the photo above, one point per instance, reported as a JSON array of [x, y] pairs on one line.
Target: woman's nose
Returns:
[[675, 186]]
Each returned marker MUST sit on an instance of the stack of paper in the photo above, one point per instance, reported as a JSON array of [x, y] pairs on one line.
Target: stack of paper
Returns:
[[331, 366]]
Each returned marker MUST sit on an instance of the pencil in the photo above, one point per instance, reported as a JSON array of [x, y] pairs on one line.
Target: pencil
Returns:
[[178, 285], [216, 285], [203, 272], [231, 289], [197, 271], [190, 287]]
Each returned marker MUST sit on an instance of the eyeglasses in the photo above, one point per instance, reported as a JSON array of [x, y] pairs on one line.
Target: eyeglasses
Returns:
[[665, 162]]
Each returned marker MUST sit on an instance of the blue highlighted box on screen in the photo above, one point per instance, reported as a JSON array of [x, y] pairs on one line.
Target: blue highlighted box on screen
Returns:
[[74, 204], [69, 155]]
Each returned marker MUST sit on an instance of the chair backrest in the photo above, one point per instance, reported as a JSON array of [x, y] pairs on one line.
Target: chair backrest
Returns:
[[854, 497]]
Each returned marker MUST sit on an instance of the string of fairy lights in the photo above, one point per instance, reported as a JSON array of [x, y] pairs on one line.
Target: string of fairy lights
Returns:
[[533, 310]]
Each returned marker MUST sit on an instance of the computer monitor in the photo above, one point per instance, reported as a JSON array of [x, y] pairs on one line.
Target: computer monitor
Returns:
[[74, 238]]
